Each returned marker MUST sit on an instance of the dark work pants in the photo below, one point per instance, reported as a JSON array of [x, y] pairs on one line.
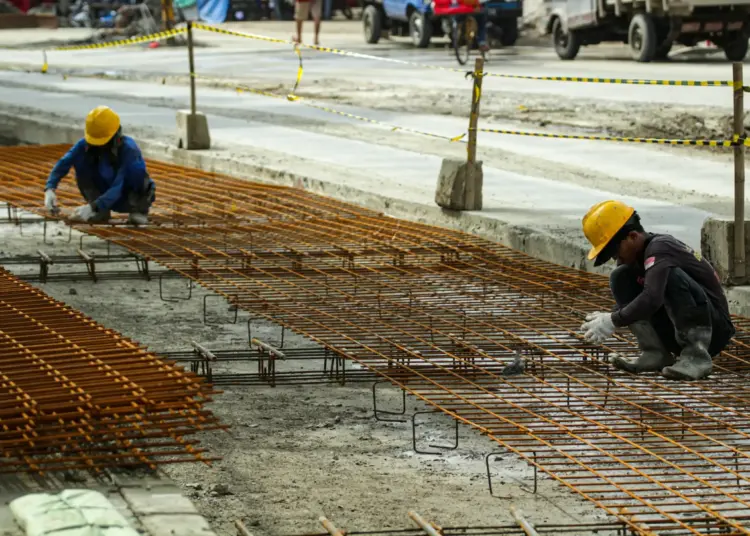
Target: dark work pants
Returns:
[[136, 201], [686, 306]]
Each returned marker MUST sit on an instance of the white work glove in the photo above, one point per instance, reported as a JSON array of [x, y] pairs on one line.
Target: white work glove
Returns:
[[82, 213], [598, 327], [50, 200]]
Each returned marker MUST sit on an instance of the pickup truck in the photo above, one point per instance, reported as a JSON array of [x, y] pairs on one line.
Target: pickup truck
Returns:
[[649, 27], [415, 19]]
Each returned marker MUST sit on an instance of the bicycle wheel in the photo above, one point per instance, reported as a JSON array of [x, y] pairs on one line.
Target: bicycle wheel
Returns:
[[464, 34]]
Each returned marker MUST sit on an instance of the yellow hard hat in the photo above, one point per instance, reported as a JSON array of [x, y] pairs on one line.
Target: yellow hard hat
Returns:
[[602, 222], [102, 124]]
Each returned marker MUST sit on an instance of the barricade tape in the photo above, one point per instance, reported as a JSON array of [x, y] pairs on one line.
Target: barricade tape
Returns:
[[240, 88], [735, 141], [590, 80], [122, 42]]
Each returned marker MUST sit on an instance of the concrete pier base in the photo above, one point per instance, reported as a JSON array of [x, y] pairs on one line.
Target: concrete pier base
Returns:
[[717, 245], [192, 131], [459, 185]]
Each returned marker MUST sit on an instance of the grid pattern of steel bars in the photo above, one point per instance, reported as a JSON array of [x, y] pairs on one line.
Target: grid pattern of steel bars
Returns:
[[75, 395], [440, 313]]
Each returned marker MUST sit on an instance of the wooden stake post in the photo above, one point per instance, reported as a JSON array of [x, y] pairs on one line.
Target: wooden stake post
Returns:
[[191, 60], [739, 173], [476, 95]]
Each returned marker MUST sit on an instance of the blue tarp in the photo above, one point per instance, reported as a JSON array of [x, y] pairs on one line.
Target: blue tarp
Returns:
[[213, 11]]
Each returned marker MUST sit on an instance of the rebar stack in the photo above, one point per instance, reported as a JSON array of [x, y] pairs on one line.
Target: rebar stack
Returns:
[[75, 395], [440, 314]]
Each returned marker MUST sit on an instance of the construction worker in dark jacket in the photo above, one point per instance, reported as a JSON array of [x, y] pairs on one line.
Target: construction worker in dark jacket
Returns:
[[110, 172], [665, 292]]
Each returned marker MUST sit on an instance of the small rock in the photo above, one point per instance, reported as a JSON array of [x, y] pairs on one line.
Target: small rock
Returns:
[[194, 485], [220, 489], [337, 420], [133, 290], [72, 292], [146, 290]]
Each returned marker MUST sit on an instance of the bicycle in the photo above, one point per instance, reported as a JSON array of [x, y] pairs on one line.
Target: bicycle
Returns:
[[464, 30]]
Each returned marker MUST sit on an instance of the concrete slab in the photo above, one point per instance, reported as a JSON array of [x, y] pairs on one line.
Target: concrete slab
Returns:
[[177, 525], [162, 502]]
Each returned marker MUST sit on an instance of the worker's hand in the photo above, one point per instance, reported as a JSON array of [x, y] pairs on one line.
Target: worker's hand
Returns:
[[50, 200], [598, 327], [82, 213]]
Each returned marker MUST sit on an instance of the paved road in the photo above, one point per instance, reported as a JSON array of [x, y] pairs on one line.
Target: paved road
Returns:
[[257, 60]]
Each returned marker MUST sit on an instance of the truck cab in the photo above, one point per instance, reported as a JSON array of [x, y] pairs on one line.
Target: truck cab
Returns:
[[649, 27]]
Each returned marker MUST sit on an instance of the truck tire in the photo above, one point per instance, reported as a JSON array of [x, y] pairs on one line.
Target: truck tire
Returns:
[[420, 29], [372, 23], [735, 48], [567, 44], [509, 32], [642, 38]]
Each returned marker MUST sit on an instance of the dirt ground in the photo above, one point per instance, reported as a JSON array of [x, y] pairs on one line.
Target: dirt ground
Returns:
[[294, 453]]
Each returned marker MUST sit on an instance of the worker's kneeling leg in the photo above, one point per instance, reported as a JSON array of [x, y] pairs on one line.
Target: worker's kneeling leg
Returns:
[[691, 313], [140, 202], [654, 349]]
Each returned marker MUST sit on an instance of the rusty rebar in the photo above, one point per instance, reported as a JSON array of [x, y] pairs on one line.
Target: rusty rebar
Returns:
[[440, 313], [76, 395]]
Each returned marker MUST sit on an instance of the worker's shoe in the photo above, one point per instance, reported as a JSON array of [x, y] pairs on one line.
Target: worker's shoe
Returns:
[[136, 218], [654, 356], [695, 362]]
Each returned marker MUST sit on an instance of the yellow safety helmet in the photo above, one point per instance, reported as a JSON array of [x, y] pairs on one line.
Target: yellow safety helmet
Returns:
[[102, 124], [602, 222]]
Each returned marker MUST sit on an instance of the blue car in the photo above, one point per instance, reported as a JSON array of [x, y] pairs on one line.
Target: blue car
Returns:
[[415, 19]]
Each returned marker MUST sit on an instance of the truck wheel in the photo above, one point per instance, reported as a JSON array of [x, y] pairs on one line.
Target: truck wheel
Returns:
[[372, 22], [735, 48], [420, 29], [642, 38], [567, 44], [509, 33]]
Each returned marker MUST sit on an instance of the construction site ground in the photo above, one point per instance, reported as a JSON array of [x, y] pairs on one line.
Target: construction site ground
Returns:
[[298, 452]]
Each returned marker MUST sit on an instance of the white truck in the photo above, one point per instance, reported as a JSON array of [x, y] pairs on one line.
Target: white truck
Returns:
[[649, 27]]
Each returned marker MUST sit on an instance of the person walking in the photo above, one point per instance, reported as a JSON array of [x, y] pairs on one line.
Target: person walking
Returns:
[[110, 173], [302, 11]]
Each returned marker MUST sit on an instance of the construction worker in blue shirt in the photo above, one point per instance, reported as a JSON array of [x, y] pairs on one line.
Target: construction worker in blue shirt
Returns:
[[110, 172]]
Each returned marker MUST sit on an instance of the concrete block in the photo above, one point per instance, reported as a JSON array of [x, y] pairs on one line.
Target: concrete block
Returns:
[[459, 185], [717, 246], [143, 502], [192, 131], [176, 525]]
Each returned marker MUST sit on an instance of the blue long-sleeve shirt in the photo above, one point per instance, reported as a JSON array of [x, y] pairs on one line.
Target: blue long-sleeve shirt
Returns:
[[112, 182]]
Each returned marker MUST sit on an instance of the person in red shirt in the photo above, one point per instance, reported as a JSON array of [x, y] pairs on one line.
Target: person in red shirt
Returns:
[[665, 292]]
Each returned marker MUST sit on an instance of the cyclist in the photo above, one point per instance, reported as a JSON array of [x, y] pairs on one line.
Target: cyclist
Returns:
[[457, 11]]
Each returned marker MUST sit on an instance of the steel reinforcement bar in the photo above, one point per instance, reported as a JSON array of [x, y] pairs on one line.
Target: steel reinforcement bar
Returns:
[[75, 395], [440, 313]]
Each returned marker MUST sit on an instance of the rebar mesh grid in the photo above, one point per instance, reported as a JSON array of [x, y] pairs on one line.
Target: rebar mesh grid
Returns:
[[440, 313], [75, 395]]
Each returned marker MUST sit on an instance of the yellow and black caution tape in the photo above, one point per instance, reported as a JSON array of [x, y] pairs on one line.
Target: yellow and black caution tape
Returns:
[[590, 80], [626, 81], [239, 88], [121, 42], [319, 48], [131, 41], [737, 140]]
